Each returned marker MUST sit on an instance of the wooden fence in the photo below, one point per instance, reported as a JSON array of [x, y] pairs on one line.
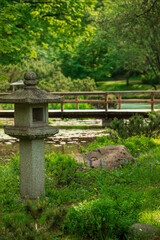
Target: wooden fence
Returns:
[[103, 98], [152, 98]]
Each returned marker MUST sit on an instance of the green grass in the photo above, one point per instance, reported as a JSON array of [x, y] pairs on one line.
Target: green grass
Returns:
[[121, 86], [84, 204]]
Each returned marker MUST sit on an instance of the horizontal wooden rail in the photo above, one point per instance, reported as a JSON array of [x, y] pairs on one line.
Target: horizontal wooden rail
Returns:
[[108, 92], [105, 98], [105, 103]]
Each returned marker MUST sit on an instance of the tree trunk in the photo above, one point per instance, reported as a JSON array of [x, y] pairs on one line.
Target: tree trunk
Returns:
[[127, 78]]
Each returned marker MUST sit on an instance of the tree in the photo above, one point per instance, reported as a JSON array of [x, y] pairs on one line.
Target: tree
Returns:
[[133, 30], [49, 75], [26, 24]]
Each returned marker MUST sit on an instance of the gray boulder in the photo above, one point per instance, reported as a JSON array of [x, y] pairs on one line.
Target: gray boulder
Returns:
[[108, 157], [140, 231]]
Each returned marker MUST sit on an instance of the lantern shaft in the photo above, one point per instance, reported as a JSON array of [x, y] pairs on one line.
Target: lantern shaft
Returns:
[[32, 167]]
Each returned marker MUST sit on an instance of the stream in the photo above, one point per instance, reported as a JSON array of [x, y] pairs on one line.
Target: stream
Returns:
[[72, 135]]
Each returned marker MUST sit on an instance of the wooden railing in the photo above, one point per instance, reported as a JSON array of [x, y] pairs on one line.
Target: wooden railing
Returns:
[[153, 98]]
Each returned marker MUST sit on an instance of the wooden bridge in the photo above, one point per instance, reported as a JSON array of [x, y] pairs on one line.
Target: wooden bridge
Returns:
[[104, 105]]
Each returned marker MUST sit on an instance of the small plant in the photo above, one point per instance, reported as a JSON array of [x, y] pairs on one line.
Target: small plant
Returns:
[[61, 167], [35, 222]]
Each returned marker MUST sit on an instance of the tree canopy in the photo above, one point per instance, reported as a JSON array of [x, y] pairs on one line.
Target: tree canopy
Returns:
[[89, 38], [27, 24]]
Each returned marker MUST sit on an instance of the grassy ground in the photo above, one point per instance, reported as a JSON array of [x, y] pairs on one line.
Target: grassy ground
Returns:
[[134, 85], [84, 203]]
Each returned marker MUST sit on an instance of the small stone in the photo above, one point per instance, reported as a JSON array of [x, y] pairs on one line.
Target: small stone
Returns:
[[49, 142], [8, 143], [30, 76], [30, 79], [62, 143]]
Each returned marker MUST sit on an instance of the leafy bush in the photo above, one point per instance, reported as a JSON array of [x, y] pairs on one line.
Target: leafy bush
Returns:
[[138, 125], [4, 84], [49, 75], [70, 106], [102, 218], [94, 218], [84, 84], [138, 144], [135, 145], [6, 106], [101, 105]]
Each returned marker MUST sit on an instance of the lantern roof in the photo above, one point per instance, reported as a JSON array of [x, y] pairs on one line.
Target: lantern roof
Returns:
[[30, 94], [19, 83]]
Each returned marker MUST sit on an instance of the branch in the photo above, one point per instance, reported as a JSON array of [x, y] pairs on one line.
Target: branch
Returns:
[[54, 15], [148, 10], [37, 2]]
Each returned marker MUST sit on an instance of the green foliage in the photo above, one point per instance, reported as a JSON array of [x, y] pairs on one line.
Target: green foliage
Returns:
[[101, 105], [85, 84], [49, 75], [135, 145], [88, 58], [138, 125], [26, 25], [4, 84], [124, 23], [94, 218], [102, 217], [121, 86], [138, 144], [6, 106], [81, 203], [34, 223], [9, 184], [71, 106], [61, 167]]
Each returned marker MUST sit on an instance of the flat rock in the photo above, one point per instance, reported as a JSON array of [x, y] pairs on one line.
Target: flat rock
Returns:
[[144, 231], [109, 157]]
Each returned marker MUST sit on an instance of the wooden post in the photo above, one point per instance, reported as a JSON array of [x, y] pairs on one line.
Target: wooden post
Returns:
[[77, 105], [152, 99], [119, 101], [62, 106], [106, 102]]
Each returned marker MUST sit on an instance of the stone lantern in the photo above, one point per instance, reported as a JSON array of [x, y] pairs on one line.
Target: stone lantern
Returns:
[[31, 127]]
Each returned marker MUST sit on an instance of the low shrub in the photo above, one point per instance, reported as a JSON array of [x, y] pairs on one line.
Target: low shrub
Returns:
[[5, 106], [135, 144], [93, 218], [101, 105], [138, 125], [102, 218]]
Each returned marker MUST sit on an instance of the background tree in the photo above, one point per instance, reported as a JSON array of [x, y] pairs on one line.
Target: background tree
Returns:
[[132, 28]]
